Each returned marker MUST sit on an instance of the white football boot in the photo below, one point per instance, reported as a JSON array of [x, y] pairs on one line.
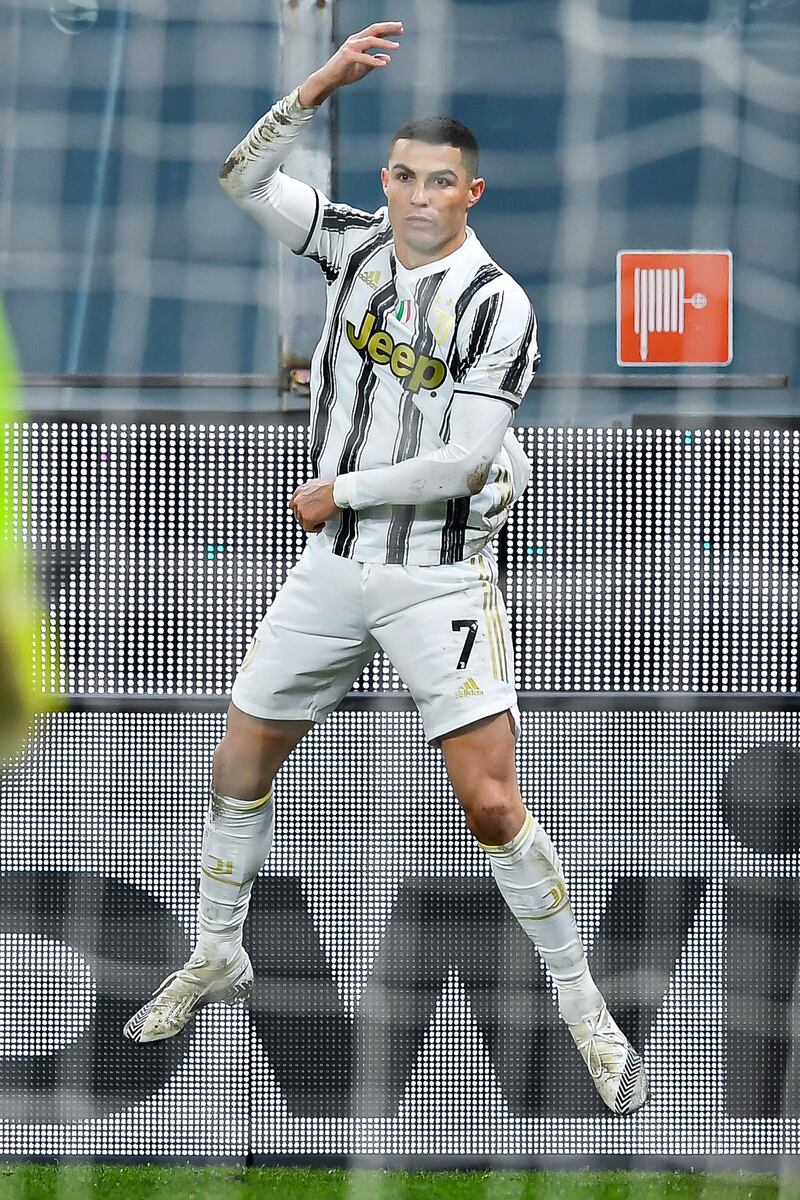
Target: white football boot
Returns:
[[616, 1069], [191, 987]]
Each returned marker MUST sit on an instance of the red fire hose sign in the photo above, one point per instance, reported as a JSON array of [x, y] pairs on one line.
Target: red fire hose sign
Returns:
[[674, 306]]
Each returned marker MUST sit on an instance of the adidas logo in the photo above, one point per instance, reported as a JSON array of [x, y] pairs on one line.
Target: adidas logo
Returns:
[[469, 688], [370, 278]]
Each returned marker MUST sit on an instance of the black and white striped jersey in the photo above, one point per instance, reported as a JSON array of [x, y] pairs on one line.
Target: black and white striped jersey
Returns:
[[399, 349], [412, 363]]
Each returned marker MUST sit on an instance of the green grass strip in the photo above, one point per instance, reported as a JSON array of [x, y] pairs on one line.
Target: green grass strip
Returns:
[[32, 1181]]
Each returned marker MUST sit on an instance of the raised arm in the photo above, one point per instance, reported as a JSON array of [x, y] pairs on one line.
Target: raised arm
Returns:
[[251, 173]]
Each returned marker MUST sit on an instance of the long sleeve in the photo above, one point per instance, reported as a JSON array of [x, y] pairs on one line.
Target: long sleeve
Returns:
[[477, 427], [298, 214], [252, 176]]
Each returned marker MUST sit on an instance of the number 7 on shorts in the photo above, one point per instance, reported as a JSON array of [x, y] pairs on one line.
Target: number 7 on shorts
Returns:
[[472, 628]]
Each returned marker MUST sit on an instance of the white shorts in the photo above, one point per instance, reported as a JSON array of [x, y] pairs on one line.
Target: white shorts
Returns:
[[444, 628]]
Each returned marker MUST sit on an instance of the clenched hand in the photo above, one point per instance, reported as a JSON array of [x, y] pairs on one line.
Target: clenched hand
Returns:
[[313, 504]]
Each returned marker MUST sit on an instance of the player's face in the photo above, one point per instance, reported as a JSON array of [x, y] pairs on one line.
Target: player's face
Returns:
[[429, 192]]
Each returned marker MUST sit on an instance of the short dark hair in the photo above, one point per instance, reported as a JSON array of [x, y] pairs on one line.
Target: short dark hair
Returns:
[[442, 131]]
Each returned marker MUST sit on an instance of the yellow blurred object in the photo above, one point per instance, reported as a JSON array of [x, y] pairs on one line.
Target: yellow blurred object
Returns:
[[20, 697]]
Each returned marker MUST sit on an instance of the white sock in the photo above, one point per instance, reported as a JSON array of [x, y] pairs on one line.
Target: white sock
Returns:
[[528, 872], [237, 836]]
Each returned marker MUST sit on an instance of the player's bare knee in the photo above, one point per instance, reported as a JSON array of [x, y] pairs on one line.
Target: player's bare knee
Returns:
[[252, 751], [479, 790], [245, 776], [493, 821], [263, 735]]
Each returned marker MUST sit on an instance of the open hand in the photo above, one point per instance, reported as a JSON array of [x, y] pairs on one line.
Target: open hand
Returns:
[[313, 504], [351, 61]]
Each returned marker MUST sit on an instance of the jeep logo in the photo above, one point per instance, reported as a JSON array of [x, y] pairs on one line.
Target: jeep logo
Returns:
[[403, 360]]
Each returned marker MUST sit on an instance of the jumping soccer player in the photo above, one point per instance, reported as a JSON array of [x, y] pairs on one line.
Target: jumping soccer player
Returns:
[[427, 349]]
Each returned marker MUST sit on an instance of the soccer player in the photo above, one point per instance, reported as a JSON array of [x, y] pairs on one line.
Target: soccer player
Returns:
[[427, 349]]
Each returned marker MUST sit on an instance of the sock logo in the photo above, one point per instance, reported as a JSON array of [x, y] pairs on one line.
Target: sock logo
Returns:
[[559, 894], [221, 866]]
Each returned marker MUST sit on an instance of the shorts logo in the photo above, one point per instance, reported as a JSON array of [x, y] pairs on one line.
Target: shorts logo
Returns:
[[403, 360], [469, 688], [251, 653]]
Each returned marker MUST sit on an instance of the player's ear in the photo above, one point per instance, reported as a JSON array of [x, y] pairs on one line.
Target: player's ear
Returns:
[[476, 190], [384, 179]]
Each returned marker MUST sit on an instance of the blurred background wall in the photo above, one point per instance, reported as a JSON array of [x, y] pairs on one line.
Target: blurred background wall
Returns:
[[605, 124]]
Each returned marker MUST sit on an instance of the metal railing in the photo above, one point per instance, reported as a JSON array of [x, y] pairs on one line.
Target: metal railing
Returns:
[[293, 382]]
